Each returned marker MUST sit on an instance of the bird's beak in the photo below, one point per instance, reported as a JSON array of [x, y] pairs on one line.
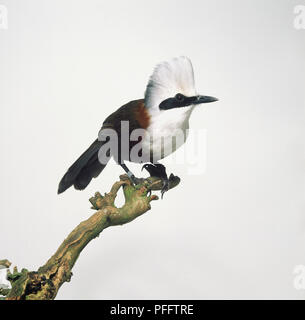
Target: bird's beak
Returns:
[[204, 99]]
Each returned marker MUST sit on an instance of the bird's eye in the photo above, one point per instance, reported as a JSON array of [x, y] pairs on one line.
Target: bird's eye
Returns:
[[179, 96]]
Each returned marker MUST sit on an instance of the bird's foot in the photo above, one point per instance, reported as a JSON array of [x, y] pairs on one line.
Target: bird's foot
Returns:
[[165, 187], [158, 170], [135, 180]]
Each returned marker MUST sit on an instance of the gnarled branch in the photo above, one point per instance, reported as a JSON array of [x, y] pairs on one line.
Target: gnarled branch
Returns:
[[45, 283]]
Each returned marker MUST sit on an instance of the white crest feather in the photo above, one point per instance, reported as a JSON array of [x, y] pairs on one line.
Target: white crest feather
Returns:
[[168, 79]]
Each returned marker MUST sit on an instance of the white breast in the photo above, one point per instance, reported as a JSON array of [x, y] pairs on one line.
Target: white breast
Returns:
[[166, 133]]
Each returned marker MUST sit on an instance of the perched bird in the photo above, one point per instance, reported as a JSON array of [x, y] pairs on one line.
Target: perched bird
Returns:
[[162, 115]]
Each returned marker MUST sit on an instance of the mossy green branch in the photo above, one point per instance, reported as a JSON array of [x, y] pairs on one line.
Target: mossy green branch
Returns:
[[45, 283]]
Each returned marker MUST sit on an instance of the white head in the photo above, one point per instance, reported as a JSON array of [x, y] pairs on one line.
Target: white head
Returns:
[[170, 98], [172, 85]]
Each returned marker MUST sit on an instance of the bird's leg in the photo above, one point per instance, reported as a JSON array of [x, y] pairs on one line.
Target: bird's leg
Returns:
[[158, 170], [131, 176]]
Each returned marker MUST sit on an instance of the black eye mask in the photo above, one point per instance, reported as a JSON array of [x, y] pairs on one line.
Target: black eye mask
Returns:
[[179, 101]]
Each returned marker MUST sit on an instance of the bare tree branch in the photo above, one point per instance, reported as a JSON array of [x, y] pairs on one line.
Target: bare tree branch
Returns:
[[45, 283]]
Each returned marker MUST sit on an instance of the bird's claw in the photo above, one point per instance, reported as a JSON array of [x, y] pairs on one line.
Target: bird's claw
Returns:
[[165, 187]]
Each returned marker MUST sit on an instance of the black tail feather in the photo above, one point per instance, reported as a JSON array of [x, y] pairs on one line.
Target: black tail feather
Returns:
[[86, 167], [87, 173]]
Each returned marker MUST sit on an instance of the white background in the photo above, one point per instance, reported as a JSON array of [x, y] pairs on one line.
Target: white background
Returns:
[[238, 230]]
